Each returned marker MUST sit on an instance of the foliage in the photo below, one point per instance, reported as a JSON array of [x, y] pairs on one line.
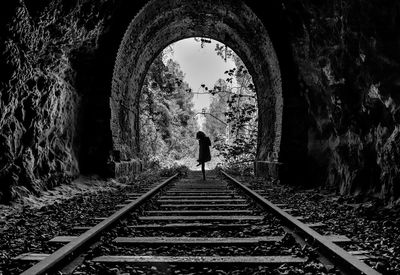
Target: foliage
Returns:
[[182, 171], [232, 116], [167, 125], [215, 125], [167, 120]]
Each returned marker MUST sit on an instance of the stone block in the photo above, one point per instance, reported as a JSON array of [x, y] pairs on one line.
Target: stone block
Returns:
[[124, 171], [267, 168]]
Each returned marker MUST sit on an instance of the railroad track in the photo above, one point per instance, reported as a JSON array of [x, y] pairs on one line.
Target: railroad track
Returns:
[[190, 226]]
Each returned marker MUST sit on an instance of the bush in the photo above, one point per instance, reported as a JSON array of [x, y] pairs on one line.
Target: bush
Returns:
[[182, 171]]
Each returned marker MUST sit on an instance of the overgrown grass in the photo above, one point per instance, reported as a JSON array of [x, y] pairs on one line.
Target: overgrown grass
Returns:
[[181, 170], [238, 169], [157, 169]]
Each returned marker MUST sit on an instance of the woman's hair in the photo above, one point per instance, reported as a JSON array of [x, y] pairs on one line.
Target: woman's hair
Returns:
[[200, 135]]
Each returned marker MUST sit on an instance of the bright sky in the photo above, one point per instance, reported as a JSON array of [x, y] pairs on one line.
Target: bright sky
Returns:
[[200, 66]]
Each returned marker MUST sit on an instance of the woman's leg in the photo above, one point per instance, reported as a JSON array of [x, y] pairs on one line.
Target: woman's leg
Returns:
[[203, 170]]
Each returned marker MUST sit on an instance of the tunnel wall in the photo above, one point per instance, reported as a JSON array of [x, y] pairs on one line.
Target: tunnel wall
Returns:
[[339, 64], [46, 52], [348, 60], [230, 22]]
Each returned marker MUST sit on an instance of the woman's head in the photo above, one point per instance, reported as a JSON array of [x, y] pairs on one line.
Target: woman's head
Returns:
[[200, 135]]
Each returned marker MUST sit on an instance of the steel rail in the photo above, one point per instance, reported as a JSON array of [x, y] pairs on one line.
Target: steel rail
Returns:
[[334, 253], [64, 253]]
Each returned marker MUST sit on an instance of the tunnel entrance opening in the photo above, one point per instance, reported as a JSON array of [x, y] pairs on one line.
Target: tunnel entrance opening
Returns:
[[232, 23], [198, 84]]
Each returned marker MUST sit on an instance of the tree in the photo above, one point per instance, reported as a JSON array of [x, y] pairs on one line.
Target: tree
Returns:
[[234, 102], [215, 123], [167, 124]]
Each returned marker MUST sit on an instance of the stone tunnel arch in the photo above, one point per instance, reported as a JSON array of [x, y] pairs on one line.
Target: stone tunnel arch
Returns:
[[160, 23]]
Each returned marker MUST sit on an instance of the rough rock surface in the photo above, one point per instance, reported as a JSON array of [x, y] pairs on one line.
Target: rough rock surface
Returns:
[[40, 99], [349, 70], [57, 59]]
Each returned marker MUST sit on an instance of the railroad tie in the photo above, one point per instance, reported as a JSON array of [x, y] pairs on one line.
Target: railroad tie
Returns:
[[338, 238], [199, 205], [361, 254], [175, 226], [199, 212], [237, 260], [135, 194], [195, 240], [332, 238], [200, 190], [200, 193], [219, 190], [316, 224], [222, 193], [201, 218], [201, 186], [191, 201], [205, 197], [31, 257], [209, 186]]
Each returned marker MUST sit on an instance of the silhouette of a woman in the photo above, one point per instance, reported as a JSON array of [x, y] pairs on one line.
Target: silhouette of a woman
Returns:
[[204, 151]]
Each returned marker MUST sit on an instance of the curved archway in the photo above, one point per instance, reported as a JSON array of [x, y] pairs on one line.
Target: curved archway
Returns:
[[161, 23]]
